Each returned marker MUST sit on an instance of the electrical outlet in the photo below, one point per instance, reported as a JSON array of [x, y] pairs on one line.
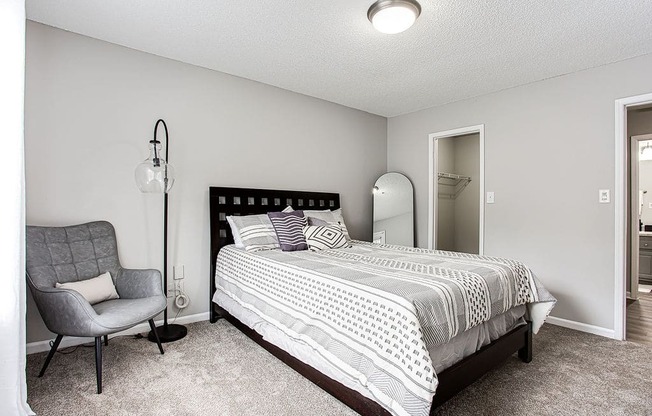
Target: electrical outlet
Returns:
[[178, 287], [604, 197], [170, 293]]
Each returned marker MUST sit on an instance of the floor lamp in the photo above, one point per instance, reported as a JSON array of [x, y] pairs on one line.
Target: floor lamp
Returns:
[[156, 175]]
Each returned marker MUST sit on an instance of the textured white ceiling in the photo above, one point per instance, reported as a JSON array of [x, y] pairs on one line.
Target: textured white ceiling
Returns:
[[328, 49]]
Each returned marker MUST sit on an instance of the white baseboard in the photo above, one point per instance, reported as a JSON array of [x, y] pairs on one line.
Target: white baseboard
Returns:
[[40, 346], [579, 326]]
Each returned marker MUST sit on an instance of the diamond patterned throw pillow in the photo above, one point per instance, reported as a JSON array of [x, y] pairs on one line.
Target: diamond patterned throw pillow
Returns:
[[324, 237]]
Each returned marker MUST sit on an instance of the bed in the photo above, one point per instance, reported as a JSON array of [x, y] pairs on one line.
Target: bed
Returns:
[[332, 340]]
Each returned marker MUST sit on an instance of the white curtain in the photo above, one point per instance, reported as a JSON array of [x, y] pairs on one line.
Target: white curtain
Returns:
[[13, 389]]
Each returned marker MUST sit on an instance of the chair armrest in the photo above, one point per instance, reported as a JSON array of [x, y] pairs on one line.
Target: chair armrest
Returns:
[[139, 283], [64, 311]]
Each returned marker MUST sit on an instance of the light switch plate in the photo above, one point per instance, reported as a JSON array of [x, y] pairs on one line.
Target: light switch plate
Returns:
[[491, 198], [604, 196]]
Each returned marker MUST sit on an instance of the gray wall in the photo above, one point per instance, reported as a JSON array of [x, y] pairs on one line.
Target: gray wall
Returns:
[[467, 204], [549, 148], [639, 121], [445, 206], [90, 111]]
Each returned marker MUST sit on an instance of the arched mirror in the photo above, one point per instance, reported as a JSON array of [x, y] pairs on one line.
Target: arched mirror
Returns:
[[393, 210]]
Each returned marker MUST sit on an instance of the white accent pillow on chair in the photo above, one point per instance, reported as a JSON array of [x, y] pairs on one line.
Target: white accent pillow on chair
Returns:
[[95, 290]]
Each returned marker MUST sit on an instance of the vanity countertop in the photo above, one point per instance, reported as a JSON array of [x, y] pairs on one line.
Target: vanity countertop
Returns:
[[645, 233]]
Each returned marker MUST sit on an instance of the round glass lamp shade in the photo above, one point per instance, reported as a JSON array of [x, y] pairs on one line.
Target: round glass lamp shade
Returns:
[[393, 16], [154, 177]]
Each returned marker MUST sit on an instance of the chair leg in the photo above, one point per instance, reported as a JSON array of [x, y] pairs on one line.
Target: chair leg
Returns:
[[98, 363], [106, 340], [158, 341], [54, 348]]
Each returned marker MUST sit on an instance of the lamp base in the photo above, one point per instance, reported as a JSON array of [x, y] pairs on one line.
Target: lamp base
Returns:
[[168, 333]]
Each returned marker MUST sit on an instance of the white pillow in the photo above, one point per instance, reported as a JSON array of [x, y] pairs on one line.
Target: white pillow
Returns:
[[331, 217], [237, 238], [254, 232], [340, 218], [95, 290], [236, 233]]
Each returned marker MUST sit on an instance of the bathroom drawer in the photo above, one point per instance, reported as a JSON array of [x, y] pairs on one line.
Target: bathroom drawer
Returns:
[[645, 243]]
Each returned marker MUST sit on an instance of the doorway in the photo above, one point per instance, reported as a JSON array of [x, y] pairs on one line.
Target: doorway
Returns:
[[638, 312], [624, 240], [640, 214], [456, 191]]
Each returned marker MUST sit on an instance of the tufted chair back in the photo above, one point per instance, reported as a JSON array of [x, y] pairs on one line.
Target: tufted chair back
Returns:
[[68, 254]]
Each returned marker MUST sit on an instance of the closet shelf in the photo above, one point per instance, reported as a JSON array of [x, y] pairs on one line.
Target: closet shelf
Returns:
[[451, 184]]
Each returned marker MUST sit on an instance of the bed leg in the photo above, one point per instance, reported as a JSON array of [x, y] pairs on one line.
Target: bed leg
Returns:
[[525, 353], [214, 314]]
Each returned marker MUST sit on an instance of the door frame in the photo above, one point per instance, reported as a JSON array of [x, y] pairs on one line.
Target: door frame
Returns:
[[433, 148], [621, 142]]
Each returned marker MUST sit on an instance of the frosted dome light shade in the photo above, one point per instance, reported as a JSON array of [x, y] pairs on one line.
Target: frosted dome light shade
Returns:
[[393, 16]]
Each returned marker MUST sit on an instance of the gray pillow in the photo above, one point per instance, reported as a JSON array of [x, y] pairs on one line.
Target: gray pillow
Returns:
[[329, 217], [256, 232], [317, 222], [289, 229]]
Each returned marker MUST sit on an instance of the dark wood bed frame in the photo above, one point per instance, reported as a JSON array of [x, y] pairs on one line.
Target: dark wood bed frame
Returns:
[[243, 201]]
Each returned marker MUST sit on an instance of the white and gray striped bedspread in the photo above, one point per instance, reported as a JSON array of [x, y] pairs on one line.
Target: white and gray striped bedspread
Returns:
[[373, 310]]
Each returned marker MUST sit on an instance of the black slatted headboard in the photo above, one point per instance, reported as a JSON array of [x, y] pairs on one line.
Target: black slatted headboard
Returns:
[[245, 201]]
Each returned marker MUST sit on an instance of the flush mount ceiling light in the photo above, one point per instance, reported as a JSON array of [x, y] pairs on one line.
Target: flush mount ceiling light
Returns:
[[393, 16]]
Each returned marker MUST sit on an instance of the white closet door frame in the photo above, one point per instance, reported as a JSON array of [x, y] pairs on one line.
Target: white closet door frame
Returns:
[[433, 151]]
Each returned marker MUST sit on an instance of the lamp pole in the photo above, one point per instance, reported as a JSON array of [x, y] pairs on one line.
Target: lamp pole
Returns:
[[167, 332], [165, 219]]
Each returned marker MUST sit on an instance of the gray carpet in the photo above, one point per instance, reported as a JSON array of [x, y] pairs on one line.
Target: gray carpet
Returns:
[[216, 370]]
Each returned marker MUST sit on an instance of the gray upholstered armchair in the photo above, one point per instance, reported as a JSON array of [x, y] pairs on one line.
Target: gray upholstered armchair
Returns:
[[80, 252]]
